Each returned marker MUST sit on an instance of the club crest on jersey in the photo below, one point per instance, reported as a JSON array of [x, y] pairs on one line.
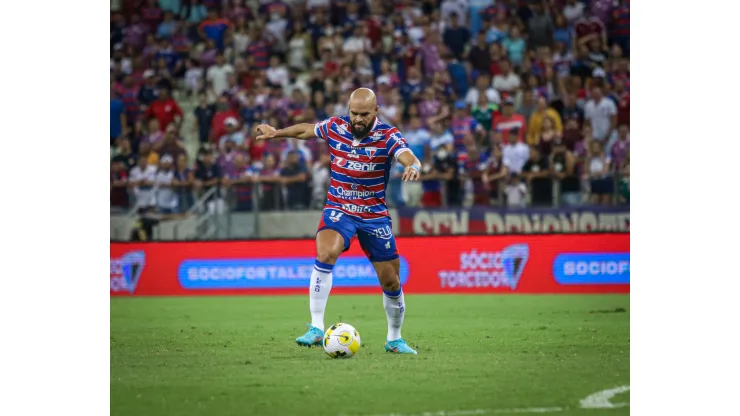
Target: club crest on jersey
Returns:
[[371, 151]]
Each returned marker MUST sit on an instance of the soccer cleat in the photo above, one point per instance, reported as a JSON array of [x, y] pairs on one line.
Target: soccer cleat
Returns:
[[314, 336], [399, 346]]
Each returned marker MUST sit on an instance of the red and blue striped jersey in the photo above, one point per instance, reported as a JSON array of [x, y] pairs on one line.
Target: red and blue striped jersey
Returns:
[[360, 168]]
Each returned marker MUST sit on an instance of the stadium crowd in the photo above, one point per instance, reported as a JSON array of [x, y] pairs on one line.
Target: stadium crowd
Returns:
[[500, 99]]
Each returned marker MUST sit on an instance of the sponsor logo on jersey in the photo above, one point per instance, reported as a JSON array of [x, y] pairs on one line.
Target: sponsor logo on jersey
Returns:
[[125, 271], [357, 166], [353, 154], [397, 137], [353, 193], [356, 208]]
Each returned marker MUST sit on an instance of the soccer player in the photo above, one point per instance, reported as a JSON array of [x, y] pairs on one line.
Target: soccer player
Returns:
[[362, 149]]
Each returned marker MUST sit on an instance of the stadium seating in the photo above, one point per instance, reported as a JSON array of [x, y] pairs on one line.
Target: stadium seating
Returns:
[[524, 103]]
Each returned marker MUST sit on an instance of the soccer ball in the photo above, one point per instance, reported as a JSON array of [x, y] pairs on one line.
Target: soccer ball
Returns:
[[341, 341]]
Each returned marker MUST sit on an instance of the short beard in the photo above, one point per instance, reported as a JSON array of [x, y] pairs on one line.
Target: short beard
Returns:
[[360, 134]]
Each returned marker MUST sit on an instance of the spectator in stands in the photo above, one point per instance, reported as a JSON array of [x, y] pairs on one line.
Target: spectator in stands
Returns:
[[621, 97], [515, 47], [240, 180], [165, 191], [233, 133], [495, 172], [474, 168], [294, 175], [506, 82], [141, 180], [509, 122], [165, 110], [482, 88], [536, 173], [193, 11], [515, 153], [184, 182], [516, 192], [218, 122], [601, 113], [598, 166], [320, 181], [124, 154], [536, 121], [540, 26], [227, 156], [118, 184], [619, 150], [268, 177], [442, 171], [117, 117], [526, 105], [148, 154], [208, 180], [456, 37], [563, 168], [548, 134], [214, 28], [203, 113], [217, 75], [170, 144]]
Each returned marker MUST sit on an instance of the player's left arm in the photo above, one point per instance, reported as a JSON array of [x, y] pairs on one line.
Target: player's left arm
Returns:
[[398, 149]]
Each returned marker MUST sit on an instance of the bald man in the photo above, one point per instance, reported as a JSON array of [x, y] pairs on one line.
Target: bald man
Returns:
[[362, 149]]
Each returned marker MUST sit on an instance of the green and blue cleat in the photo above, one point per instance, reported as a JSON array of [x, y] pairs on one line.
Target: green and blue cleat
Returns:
[[399, 346], [314, 336]]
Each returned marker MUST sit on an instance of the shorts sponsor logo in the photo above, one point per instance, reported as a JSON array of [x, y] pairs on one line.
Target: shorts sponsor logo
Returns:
[[125, 271], [592, 268], [384, 233], [276, 273], [487, 268]]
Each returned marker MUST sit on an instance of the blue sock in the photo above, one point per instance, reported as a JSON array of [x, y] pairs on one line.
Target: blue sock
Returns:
[[395, 294], [323, 267]]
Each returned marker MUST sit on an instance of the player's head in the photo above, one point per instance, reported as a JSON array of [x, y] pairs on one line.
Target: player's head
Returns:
[[363, 107]]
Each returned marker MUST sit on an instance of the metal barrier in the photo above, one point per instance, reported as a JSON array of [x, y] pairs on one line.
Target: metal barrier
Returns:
[[210, 216]]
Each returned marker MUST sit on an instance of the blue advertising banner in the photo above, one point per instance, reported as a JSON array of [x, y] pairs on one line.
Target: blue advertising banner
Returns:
[[491, 220], [270, 273]]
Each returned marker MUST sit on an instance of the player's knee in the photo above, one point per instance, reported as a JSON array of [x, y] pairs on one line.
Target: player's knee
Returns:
[[391, 283], [327, 256]]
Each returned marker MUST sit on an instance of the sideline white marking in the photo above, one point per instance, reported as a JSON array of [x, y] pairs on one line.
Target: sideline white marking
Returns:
[[598, 400], [479, 412], [601, 399]]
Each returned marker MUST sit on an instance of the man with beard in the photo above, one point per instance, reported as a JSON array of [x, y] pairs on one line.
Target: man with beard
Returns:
[[362, 149]]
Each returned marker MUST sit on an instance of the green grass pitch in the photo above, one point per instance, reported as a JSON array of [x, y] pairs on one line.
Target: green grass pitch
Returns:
[[478, 354]]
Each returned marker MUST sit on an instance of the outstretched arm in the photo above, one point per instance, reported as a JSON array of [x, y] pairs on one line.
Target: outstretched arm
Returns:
[[303, 131], [412, 165]]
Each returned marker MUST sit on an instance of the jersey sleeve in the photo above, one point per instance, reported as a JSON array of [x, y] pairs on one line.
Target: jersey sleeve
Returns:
[[321, 129], [395, 143]]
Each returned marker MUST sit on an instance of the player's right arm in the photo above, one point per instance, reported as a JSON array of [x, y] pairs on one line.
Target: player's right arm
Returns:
[[303, 131]]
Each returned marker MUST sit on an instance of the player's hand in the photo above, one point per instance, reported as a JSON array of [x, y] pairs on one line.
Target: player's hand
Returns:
[[265, 131], [411, 173]]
